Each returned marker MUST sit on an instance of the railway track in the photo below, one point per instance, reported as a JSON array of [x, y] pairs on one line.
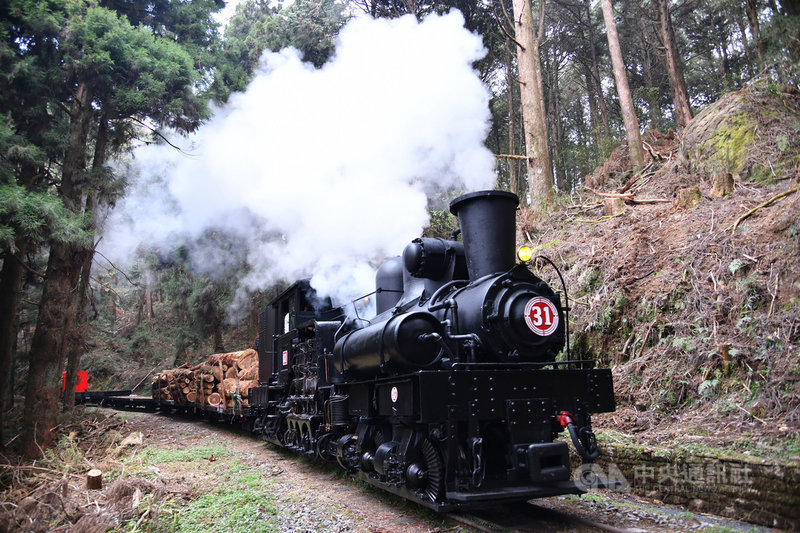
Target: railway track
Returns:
[[528, 517]]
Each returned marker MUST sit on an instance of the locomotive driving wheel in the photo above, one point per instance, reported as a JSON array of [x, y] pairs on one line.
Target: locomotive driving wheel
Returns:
[[321, 447], [434, 470]]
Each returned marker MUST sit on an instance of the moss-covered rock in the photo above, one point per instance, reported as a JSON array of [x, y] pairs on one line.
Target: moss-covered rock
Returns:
[[752, 134]]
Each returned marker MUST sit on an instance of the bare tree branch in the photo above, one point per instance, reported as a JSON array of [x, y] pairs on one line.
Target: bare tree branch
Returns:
[[163, 138], [115, 267]]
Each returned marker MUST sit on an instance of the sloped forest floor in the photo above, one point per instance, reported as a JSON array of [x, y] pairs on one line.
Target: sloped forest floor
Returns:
[[695, 307]]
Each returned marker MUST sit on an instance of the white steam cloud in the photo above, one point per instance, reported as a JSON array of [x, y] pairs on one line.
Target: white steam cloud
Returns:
[[322, 172]]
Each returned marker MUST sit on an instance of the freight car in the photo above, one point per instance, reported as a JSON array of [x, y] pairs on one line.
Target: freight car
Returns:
[[454, 394]]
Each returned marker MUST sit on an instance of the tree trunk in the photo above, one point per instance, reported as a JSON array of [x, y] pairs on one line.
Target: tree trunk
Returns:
[[791, 8], [746, 45], [11, 279], [635, 150], [594, 118], [77, 335], [598, 87], [722, 50], [555, 122], [57, 307], [112, 307], [540, 174], [140, 307], [218, 345], [646, 47], [411, 6], [512, 128], [680, 97], [48, 348], [752, 17], [10, 291]]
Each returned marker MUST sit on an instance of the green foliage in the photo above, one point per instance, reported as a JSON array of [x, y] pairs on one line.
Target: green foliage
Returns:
[[708, 387], [52, 50], [442, 224], [588, 281], [735, 265], [172, 313], [311, 26], [610, 312], [132, 73], [38, 216], [683, 343], [782, 47]]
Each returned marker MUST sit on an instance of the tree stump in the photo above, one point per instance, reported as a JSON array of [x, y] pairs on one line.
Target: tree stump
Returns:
[[688, 198], [613, 206], [721, 184], [94, 479]]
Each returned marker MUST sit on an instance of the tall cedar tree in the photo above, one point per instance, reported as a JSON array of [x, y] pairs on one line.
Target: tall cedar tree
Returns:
[[311, 26], [113, 72], [680, 97], [635, 149], [31, 141], [529, 36]]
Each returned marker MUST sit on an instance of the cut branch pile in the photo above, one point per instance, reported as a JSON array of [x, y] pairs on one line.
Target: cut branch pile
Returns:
[[662, 150], [223, 380]]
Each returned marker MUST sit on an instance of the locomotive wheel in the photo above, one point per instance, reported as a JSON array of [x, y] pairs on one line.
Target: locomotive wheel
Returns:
[[321, 447], [290, 437], [434, 488]]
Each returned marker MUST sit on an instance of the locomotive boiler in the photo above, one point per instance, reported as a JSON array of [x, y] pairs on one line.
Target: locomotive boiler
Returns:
[[456, 392]]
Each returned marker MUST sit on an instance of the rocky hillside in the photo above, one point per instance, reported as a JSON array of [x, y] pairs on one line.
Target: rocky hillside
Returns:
[[684, 276]]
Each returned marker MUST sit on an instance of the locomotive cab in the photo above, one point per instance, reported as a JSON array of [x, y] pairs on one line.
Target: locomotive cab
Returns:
[[295, 307], [294, 329]]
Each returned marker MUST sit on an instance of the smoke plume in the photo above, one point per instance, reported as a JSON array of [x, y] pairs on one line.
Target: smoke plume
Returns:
[[321, 173]]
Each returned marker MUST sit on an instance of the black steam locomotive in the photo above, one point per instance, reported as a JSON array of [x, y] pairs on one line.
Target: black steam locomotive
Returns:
[[452, 394]]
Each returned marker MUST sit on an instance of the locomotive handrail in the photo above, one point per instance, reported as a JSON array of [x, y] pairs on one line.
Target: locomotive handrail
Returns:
[[566, 299], [439, 340], [447, 286]]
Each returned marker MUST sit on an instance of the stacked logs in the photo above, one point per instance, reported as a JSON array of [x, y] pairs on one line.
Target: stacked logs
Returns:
[[223, 380]]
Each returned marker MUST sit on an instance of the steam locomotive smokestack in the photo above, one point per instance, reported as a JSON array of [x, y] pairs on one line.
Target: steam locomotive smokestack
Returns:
[[488, 229]]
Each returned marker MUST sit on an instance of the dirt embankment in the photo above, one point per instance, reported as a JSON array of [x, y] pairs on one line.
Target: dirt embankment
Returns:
[[689, 288]]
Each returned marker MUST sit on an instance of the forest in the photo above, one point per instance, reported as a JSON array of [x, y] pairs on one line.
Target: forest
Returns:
[[86, 83]]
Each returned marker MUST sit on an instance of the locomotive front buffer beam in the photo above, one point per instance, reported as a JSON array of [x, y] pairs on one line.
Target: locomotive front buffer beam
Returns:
[[494, 430]]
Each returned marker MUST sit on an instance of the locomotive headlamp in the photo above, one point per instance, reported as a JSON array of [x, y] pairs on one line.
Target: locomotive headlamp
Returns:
[[525, 253]]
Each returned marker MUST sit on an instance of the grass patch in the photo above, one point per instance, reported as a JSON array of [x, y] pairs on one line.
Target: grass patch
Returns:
[[241, 506], [227, 496], [153, 456]]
